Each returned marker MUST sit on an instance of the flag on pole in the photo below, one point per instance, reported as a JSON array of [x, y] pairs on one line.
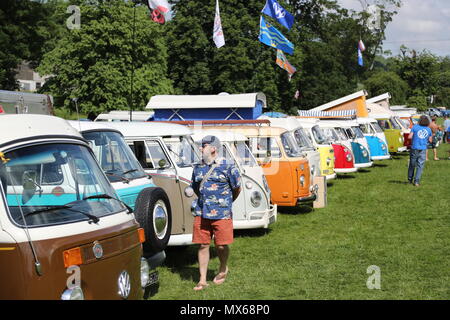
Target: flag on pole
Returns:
[[284, 63], [218, 37], [275, 10], [270, 36], [360, 58], [161, 10]]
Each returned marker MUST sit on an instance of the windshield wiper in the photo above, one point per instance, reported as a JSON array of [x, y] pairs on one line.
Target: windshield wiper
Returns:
[[107, 196], [119, 176], [130, 171], [95, 219]]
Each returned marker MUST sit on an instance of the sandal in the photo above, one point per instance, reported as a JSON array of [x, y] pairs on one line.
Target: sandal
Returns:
[[218, 279], [201, 286]]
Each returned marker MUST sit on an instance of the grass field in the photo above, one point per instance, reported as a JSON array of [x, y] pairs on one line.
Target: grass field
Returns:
[[373, 217]]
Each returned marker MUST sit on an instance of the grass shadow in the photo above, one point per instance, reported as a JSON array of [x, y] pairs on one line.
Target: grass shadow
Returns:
[[398, 182], [180, 259], [329, 184], [296, 210], [253, 233], [346, 176], [381, 165], [363, 170]]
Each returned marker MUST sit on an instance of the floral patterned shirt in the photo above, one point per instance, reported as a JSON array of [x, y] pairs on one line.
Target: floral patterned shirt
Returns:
[[216, 197]]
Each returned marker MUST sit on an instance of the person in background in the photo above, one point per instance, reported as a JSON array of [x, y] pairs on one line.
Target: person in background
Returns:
[[446, 127], [434, 139], [217, 184], [420, 136]]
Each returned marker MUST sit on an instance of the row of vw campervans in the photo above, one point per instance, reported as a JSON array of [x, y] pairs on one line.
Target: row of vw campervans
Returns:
[[88, 208]]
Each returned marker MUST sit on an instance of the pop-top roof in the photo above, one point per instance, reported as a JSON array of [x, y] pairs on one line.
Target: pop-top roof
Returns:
[[224, 106], [243, 100]]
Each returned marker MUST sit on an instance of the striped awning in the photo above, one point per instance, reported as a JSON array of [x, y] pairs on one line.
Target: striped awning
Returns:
[[327, 114]]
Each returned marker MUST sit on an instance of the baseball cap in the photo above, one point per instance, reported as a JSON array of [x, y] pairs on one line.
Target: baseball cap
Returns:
[[212, 140]]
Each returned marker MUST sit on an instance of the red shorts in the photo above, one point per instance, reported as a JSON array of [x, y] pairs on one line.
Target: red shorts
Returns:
[[204, 229]]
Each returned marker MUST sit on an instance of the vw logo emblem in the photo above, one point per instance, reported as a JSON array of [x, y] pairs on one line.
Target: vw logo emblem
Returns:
[[98, 250], [124, 284]]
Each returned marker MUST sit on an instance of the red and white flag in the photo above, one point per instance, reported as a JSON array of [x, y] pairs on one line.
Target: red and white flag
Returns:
[[161, 10], [218, 37]]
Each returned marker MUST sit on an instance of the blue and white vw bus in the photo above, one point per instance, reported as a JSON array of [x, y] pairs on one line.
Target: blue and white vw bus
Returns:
[[375, 138], [149, 203]]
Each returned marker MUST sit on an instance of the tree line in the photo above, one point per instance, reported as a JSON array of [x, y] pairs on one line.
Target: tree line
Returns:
[[117, 57]]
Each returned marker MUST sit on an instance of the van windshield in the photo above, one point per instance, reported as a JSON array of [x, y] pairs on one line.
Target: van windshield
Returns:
[[331, 135], [48, 184], [318, 135], [182, 150], [341, 134], [303, 141], [290, 145], [358, 132], [365, 128], [115, 157], [376, 127]]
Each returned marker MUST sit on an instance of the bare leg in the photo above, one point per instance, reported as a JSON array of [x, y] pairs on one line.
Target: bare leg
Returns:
[[435, 154], [223, 252], [203, 260]]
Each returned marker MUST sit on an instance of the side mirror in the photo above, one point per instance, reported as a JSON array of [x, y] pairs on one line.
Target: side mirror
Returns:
[[29, 181], [162, 163]]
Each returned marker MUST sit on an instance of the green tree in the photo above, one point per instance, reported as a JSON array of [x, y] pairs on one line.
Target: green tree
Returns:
[[387, 81], [25, 26], [95, 62]]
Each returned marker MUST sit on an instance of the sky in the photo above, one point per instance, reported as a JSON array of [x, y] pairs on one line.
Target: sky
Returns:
[[419, 25]]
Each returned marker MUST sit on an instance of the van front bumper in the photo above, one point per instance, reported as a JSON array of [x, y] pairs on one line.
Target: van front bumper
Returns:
[[402, 149], [307, 200], [257, 219], [364, 165], [375, 158], [345, 170]]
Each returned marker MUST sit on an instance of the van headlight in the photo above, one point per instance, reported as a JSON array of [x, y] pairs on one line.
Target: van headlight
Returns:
[[76, 293], [256, 198], [145, 271], [302, 180], [364, 153], [400, 139]]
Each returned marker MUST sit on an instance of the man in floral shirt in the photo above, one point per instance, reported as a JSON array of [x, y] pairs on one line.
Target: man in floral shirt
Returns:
[[217, 184]]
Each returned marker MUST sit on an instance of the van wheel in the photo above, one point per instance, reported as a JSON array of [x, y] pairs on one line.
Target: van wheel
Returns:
[[154, 214]]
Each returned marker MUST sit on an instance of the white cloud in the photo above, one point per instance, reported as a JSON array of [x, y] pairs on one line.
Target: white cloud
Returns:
[[418, 24]]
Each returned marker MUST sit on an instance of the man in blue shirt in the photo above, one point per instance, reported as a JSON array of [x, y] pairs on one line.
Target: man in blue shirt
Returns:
[[420, 134], [217, 184]]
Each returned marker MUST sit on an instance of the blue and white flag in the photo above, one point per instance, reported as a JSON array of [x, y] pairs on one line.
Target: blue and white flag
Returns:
[[275, 10], [270, 36], [360, 58]]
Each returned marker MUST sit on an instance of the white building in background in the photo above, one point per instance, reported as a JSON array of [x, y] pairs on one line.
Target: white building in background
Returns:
[[29, 80]]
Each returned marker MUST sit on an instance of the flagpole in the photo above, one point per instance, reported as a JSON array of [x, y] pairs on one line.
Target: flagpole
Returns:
[[132, 61]]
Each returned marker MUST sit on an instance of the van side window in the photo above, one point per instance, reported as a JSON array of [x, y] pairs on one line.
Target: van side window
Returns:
[[263, 147], [155, 154], [140, 151]]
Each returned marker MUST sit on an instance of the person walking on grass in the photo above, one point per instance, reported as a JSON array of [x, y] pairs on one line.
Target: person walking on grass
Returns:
[[420, 136], [217, 184]]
